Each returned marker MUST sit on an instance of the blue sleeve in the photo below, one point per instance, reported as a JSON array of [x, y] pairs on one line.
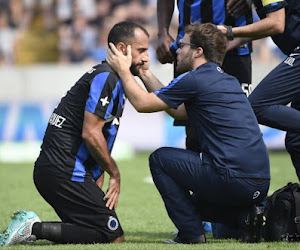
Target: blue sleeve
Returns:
[[102, 94], [178, 91]]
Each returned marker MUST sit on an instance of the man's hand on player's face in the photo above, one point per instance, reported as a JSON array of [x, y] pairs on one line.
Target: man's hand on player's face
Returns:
[[163, 52], [117, 60], [144, 69], [238, 8]]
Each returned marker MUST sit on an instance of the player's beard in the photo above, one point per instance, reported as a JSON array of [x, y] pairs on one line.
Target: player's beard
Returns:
[[134, 70], [185, 64]]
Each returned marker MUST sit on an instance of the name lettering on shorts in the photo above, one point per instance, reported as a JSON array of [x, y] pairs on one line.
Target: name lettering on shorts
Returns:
[[56, 120]]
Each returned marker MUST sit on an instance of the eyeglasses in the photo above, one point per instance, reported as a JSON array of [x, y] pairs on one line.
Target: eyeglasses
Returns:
[[182, 44]]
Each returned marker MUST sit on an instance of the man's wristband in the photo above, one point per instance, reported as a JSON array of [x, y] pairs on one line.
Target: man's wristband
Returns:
[[229, 33]]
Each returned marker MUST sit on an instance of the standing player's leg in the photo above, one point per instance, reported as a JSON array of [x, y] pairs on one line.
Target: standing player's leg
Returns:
[[292, 143], [270, 98], [279, 88]]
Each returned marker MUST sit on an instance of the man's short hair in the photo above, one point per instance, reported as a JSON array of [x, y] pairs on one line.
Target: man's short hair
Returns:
[[123, 31], [210, 39]]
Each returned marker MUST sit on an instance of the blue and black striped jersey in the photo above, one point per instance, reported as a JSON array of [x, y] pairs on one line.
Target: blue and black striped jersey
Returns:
[[211, 11], [63, 152]]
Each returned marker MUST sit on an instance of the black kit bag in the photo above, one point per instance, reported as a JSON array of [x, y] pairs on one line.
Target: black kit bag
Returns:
[[282, 214]]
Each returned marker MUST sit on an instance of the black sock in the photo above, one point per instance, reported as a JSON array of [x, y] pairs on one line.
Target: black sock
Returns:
[[48, 230], [67, 233]]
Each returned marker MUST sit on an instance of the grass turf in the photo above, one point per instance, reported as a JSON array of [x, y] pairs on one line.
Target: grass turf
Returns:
[[140, 209]]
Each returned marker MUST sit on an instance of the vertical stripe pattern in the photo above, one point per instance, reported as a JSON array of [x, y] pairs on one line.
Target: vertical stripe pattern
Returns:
[[95, 91], [210, 11]]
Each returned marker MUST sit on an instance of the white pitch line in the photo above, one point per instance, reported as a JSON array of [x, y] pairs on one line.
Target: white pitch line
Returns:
[[148, 179]]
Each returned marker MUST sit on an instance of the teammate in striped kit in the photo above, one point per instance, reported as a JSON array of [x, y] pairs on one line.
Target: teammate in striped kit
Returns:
[[280, 19], [76, 151]]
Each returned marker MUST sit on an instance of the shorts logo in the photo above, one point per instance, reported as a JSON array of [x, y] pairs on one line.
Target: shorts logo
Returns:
[[290, 61], [112, 223], [256, 194]]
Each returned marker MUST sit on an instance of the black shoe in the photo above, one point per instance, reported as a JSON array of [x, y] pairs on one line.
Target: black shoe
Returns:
[[197, 240], [251, 230]]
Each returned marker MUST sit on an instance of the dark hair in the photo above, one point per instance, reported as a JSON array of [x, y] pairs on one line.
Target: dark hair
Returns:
[[123, 31], [210, 39]]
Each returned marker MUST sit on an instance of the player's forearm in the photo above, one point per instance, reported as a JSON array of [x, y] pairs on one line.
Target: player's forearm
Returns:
[[165, 9], [237, 42], [97, 146], [273, 24], [136, 95], [150, 81], [152, 84]]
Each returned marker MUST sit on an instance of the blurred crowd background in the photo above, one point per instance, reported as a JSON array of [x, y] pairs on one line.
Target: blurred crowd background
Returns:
[[75, 31]]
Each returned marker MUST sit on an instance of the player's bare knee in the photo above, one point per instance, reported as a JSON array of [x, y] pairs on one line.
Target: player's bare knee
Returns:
[[119, 239]]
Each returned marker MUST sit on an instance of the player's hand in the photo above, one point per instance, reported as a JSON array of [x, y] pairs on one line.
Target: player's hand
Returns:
[[238, 8], [162, 51], [117, 60], [112, 194]]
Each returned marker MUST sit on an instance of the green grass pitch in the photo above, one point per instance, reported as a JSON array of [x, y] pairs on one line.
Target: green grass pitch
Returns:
[[140, 209]]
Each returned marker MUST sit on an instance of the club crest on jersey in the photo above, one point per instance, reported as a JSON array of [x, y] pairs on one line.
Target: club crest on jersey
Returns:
[[112, 223]]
